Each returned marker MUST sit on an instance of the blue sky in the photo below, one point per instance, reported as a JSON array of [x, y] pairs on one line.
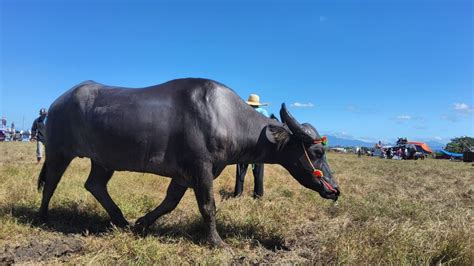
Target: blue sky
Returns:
[[360, 69]]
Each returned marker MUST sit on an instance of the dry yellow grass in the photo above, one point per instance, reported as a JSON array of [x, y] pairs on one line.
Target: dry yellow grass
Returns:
[[400, 212]]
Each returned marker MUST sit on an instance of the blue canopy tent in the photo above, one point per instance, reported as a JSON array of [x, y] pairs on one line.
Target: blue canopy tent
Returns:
[[442, 154]]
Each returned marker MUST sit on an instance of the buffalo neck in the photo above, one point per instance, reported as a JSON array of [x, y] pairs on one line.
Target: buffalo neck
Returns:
[[254, 146]]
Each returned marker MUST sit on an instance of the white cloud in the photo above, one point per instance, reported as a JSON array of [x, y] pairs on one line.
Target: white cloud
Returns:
[[369, 139], [441, 140], [302, 105], [462, 107], [451, 118], [360, 110], [342, 135], [404, 117], [353, 109], [420, 127], [460, 112]]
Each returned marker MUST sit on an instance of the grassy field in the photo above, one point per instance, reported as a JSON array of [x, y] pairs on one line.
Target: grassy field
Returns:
[[401, 212]]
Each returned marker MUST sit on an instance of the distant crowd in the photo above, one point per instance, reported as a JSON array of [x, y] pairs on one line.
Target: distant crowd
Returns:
[[12, 134], [37, 133], [402, 150]]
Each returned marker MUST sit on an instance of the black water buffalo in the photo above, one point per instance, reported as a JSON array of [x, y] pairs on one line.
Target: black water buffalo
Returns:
[[187, 129]]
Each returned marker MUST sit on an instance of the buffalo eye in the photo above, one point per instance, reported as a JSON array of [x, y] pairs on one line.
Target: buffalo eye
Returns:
[[318, 152]]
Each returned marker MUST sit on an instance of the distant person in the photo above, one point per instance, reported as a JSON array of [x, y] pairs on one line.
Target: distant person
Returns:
[[12, 132], [257, 169], [38, 133], [399, 153], [378, 145]]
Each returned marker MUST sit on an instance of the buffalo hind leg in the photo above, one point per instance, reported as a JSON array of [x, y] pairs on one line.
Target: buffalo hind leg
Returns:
[[207, 206], [96, 184], [50, 175], [174, 194]]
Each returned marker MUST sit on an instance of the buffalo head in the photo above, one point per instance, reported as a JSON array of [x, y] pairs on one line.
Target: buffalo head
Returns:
[[301, 152]]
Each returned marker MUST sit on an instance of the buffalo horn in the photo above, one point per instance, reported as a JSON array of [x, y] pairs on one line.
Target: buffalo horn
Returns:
[[298, 130]]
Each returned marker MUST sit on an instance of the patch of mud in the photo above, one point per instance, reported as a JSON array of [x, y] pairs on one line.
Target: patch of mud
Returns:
[[41, 251]]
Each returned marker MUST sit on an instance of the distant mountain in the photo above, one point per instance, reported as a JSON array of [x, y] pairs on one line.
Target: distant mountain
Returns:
[[334, 141]]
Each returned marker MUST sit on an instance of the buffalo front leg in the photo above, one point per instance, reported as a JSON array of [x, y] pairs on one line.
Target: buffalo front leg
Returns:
[[174, 194], [207, 206], [96, 184]]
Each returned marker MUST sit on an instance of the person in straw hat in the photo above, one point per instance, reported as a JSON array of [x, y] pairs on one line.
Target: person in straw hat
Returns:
[[257, 169]]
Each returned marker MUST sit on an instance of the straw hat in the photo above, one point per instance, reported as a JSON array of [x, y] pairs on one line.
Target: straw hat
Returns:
[[254, 100]]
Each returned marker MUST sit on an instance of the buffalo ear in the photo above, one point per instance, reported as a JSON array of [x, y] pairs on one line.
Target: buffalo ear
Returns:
[[278, 135], [272, 116]]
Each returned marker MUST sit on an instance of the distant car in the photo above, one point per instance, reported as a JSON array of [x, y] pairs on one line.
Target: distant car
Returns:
[[2, 135], [25, 136], [17, 136], [419, 155], [377, 153]]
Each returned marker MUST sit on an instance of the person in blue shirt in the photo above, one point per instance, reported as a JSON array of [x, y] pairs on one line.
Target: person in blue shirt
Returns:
[[257, 169]]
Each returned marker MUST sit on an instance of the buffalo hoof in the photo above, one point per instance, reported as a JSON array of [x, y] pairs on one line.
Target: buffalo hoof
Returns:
[[141, 226], [216, 242], [41, 219], [122, 224]]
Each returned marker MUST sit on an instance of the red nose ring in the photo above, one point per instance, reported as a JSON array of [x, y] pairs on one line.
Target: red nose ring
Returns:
[[318, 173]]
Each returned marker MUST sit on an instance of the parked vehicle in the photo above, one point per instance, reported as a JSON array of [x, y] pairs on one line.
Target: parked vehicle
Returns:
[[25, 136], [2, 135]]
